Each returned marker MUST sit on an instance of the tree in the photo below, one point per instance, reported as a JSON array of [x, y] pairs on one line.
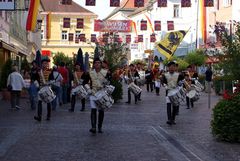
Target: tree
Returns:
[[230, 60], [61, 57], [114, 52], [196, 57]]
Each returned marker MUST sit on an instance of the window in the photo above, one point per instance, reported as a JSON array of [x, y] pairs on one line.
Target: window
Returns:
[[170, 25], [176, 10], [66, 2], [66, 22], [227, 3], [77, 34], [64, 35]]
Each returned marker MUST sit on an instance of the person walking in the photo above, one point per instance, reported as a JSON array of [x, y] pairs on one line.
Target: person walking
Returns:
[[170, 81], [149, 79], [16, 83], [44, 75], [98, 79], [80, 78], [55, 79], [34, 85], [64, 72]]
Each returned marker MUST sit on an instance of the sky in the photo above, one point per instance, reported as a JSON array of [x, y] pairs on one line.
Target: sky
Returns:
[[102, 8]]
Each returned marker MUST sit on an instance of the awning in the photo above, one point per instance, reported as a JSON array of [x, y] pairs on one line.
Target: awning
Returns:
[[46, 53], [8, 47]]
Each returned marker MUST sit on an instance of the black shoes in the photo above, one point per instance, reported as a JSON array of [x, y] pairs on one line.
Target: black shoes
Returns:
[[93, 130], [100, 130], [171, 122], [70, 110], [48, 118], [128, 102], [83, 109], [37, 118]]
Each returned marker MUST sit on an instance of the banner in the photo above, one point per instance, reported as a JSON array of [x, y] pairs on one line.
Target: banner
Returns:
[[113, 25], [185, 3], [93, 38], [82, 37], [128, 39], [168, 45], [105, 38], [114, 3], [162, 3], [48, 25], [138, 3], [208, 3], [152, 38], [140, 38], [90, 2], [170, 25], [143, 25], [157, 25], [32, 15], [80, 23]]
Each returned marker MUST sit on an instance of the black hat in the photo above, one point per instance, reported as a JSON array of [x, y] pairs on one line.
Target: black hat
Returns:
[[171, 63], [45, 60], [96, 59]]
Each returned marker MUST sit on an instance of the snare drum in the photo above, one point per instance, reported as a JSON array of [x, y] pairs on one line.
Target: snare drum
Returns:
[[88, 89], [199, 85], [174, 96], [134, 88], [194, 95], [80, 91], [103, 100], [109, 89], [46, 94]]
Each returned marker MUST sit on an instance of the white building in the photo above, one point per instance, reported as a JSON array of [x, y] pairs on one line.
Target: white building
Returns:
[[183, 18]]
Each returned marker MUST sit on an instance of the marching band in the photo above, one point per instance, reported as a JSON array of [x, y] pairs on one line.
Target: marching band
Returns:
[[95, 87]]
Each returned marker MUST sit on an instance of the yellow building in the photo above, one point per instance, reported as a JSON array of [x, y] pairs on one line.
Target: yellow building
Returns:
[[66, 26]]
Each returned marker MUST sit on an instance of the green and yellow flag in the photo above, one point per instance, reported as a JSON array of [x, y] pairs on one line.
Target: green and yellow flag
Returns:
[[168, 45]]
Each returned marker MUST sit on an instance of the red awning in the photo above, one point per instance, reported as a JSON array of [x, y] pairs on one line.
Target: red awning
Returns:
[[46, 53]]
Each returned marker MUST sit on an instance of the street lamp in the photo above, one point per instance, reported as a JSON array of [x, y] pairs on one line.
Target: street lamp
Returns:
[[39, 24]]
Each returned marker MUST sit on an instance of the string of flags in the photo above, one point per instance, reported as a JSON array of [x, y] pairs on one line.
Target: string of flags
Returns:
[[161, 3]]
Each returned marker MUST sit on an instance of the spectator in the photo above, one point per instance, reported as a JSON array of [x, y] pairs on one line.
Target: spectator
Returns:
[[15, 80]]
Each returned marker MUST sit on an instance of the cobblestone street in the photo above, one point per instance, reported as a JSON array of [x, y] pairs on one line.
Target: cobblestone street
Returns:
[[131, 132]]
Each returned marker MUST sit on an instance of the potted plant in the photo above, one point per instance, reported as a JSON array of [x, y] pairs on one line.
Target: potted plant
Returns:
[[6, 70]]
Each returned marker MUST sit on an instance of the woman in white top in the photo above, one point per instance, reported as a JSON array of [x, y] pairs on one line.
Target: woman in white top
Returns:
[[16, 81]]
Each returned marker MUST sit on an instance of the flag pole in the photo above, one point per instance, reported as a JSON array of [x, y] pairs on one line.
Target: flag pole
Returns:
[[197, 24]]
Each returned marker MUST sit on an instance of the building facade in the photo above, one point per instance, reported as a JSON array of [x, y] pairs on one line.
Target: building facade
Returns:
[[159, 20], [66, 27]]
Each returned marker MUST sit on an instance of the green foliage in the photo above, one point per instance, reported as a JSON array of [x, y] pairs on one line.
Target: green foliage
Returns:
[[118, 91], [226, 121], [6, 70], [61, 57], [115, 54], [136, 61], [182, 64], [196, 57], [25, 65], [230, 60]]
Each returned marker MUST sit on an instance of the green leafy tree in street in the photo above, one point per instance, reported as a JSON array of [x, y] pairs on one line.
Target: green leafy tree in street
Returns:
[[196, 57]]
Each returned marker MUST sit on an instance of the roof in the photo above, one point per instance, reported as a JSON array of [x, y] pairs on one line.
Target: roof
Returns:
[[126, 6], [56, 6]]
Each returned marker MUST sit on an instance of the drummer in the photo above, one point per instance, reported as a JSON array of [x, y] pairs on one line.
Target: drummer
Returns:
[[132, 76], [98, 79], [171, 80], [187, 85], [44, 75], [80, 78]]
